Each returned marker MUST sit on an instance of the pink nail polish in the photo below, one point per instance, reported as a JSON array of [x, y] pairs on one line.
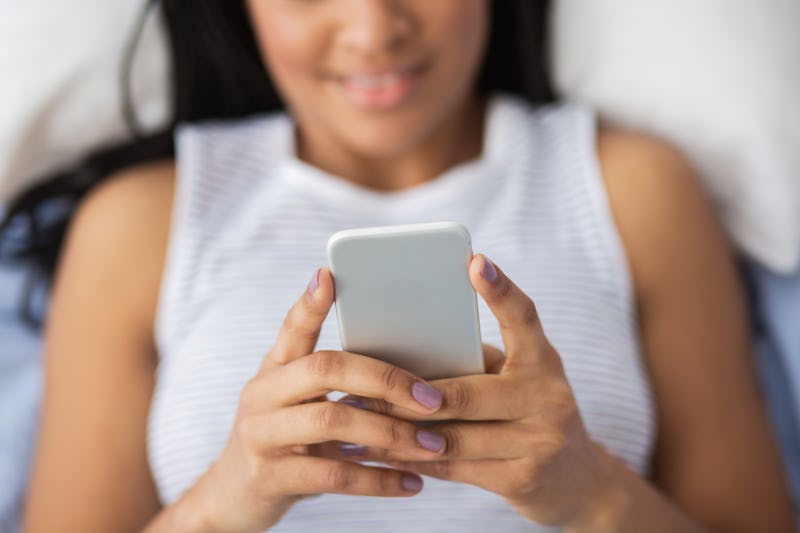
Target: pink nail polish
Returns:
[[430, 440], [489, 272], [412, 483], [426, 395], [314, 283]]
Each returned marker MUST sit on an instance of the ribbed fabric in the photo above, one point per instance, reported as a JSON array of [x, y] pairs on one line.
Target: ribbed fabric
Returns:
[[250, 225]]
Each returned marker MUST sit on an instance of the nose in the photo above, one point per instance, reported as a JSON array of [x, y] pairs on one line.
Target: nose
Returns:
[[373, 27]]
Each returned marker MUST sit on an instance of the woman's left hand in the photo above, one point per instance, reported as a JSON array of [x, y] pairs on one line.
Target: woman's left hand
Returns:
[[516, 430]]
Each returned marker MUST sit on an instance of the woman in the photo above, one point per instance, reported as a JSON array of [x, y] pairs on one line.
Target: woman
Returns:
[[179, 397]]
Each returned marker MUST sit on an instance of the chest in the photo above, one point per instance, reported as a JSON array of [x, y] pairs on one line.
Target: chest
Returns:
[[237, 297]]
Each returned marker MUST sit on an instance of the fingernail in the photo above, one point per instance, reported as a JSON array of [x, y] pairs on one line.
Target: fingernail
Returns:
[[489, 272], [426, 395], [314, 283], [412, 483], [348, 448], [430, 441]]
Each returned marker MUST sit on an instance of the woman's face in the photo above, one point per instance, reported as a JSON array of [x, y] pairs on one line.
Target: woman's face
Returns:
[[376, 77]]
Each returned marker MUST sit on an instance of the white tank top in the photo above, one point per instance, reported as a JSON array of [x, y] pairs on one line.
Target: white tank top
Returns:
[[250, 224]]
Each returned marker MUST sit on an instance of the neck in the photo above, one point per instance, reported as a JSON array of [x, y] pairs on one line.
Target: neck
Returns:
[[457, 140]]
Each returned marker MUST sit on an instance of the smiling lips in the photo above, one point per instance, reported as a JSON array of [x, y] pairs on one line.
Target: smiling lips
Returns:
[[380, 89]]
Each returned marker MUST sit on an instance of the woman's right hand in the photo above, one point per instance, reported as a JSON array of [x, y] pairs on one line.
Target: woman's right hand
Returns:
[[289, 441]]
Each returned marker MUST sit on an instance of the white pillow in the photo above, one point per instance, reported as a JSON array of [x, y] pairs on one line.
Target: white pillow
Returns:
[[719, 79], [59, 95]]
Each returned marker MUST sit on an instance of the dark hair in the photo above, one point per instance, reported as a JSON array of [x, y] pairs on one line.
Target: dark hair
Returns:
[[218, 73]]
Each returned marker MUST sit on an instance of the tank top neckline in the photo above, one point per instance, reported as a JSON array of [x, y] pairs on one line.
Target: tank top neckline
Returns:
[[337, 188]]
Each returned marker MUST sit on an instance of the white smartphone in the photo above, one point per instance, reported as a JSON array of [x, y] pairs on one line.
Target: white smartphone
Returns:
[[403, 295]]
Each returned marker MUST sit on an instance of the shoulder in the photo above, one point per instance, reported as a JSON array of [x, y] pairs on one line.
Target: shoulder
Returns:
[[663, 215], [639, 160], [128, 212], [138, 185], [117, 239], [147, 187], [635, 164]]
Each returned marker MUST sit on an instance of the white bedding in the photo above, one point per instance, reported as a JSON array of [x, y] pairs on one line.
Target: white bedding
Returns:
[[60, 64], [720, 79]]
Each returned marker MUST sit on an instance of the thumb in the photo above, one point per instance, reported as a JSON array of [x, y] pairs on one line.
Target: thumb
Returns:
[[523, 338], [300, 329]]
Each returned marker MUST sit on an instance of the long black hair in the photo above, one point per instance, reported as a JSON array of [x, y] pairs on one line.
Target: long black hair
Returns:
[[218, 73]]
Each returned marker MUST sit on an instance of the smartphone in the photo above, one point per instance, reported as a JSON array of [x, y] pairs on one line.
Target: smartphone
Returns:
[[403, 295]]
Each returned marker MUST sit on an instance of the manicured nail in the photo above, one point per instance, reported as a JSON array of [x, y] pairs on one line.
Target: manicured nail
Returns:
[[348, 448], [426, 395], [430, 441], [489, 272], [314, 283], [412, 483]]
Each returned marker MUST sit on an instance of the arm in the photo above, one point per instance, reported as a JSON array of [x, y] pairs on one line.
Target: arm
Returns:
[[714, 455], [90, 471]]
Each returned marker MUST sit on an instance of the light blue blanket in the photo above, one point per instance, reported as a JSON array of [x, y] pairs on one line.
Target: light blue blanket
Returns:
[[20, 390], [776, 308]]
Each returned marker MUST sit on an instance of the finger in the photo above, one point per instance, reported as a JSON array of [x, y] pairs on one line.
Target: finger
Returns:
[[493, 359], [319, 422], [330, 450], [316, 475], [496, 475], [480, 397], [464, 441], [300, 330], [516, 313], [325, 371]]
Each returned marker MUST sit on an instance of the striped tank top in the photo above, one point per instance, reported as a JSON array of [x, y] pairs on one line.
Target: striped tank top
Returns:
[[250, 225]]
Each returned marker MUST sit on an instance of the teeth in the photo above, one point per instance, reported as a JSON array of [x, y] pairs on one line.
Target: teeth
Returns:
[[367, 81]]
